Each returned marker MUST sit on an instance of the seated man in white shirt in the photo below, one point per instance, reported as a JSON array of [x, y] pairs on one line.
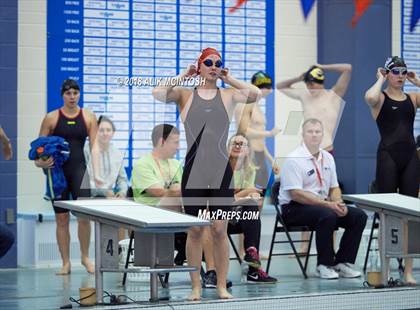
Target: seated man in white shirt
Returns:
[[309, 195]]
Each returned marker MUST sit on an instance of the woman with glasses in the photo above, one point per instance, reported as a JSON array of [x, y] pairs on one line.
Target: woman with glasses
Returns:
[[249, 198], [397, 165], [206, 112]]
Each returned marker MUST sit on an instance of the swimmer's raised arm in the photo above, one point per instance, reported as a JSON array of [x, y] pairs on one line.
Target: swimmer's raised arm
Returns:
[[169, 92]]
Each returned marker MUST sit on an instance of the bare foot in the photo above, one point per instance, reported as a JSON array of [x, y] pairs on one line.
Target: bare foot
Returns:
[[223, 293], [304, 249], [88, 265], [195, 294], [263, 257], [65, 270], [409, 279]]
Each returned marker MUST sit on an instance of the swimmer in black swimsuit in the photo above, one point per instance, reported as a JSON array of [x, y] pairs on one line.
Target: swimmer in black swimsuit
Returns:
[[397, 167], [74, 124], [206, 112]]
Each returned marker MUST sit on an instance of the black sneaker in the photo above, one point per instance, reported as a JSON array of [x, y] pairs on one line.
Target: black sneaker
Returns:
[[252, 258], [210, 280], [259, 276]]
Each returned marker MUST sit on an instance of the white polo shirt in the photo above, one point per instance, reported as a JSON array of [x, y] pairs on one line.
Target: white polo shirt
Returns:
[[303, 171]]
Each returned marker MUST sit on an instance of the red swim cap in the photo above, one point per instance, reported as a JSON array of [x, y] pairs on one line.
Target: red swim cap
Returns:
[[204, 54]]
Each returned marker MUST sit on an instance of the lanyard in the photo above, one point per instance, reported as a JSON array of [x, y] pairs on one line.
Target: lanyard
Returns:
[[318, 173], [168, 180]]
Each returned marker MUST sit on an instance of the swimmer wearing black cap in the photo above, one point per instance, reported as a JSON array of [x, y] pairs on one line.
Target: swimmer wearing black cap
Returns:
[[318, 102], [252, 123], [397, 165], [74, 124]]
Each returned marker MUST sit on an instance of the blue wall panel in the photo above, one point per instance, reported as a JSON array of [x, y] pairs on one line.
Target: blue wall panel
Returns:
[[8, 116], [102, 44], [366, 47]]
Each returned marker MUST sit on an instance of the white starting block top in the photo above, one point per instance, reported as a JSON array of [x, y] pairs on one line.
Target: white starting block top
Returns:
[[131, 213], [392, 202]]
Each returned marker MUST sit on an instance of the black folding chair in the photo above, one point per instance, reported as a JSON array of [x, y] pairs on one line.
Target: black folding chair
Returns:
[[128, 260], [235, 250], [281, 227]]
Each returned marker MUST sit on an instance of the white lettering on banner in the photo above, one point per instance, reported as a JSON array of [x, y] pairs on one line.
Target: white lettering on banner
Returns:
[[121, 49]]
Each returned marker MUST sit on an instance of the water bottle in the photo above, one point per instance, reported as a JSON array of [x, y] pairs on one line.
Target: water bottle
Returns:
[[244, 272]]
